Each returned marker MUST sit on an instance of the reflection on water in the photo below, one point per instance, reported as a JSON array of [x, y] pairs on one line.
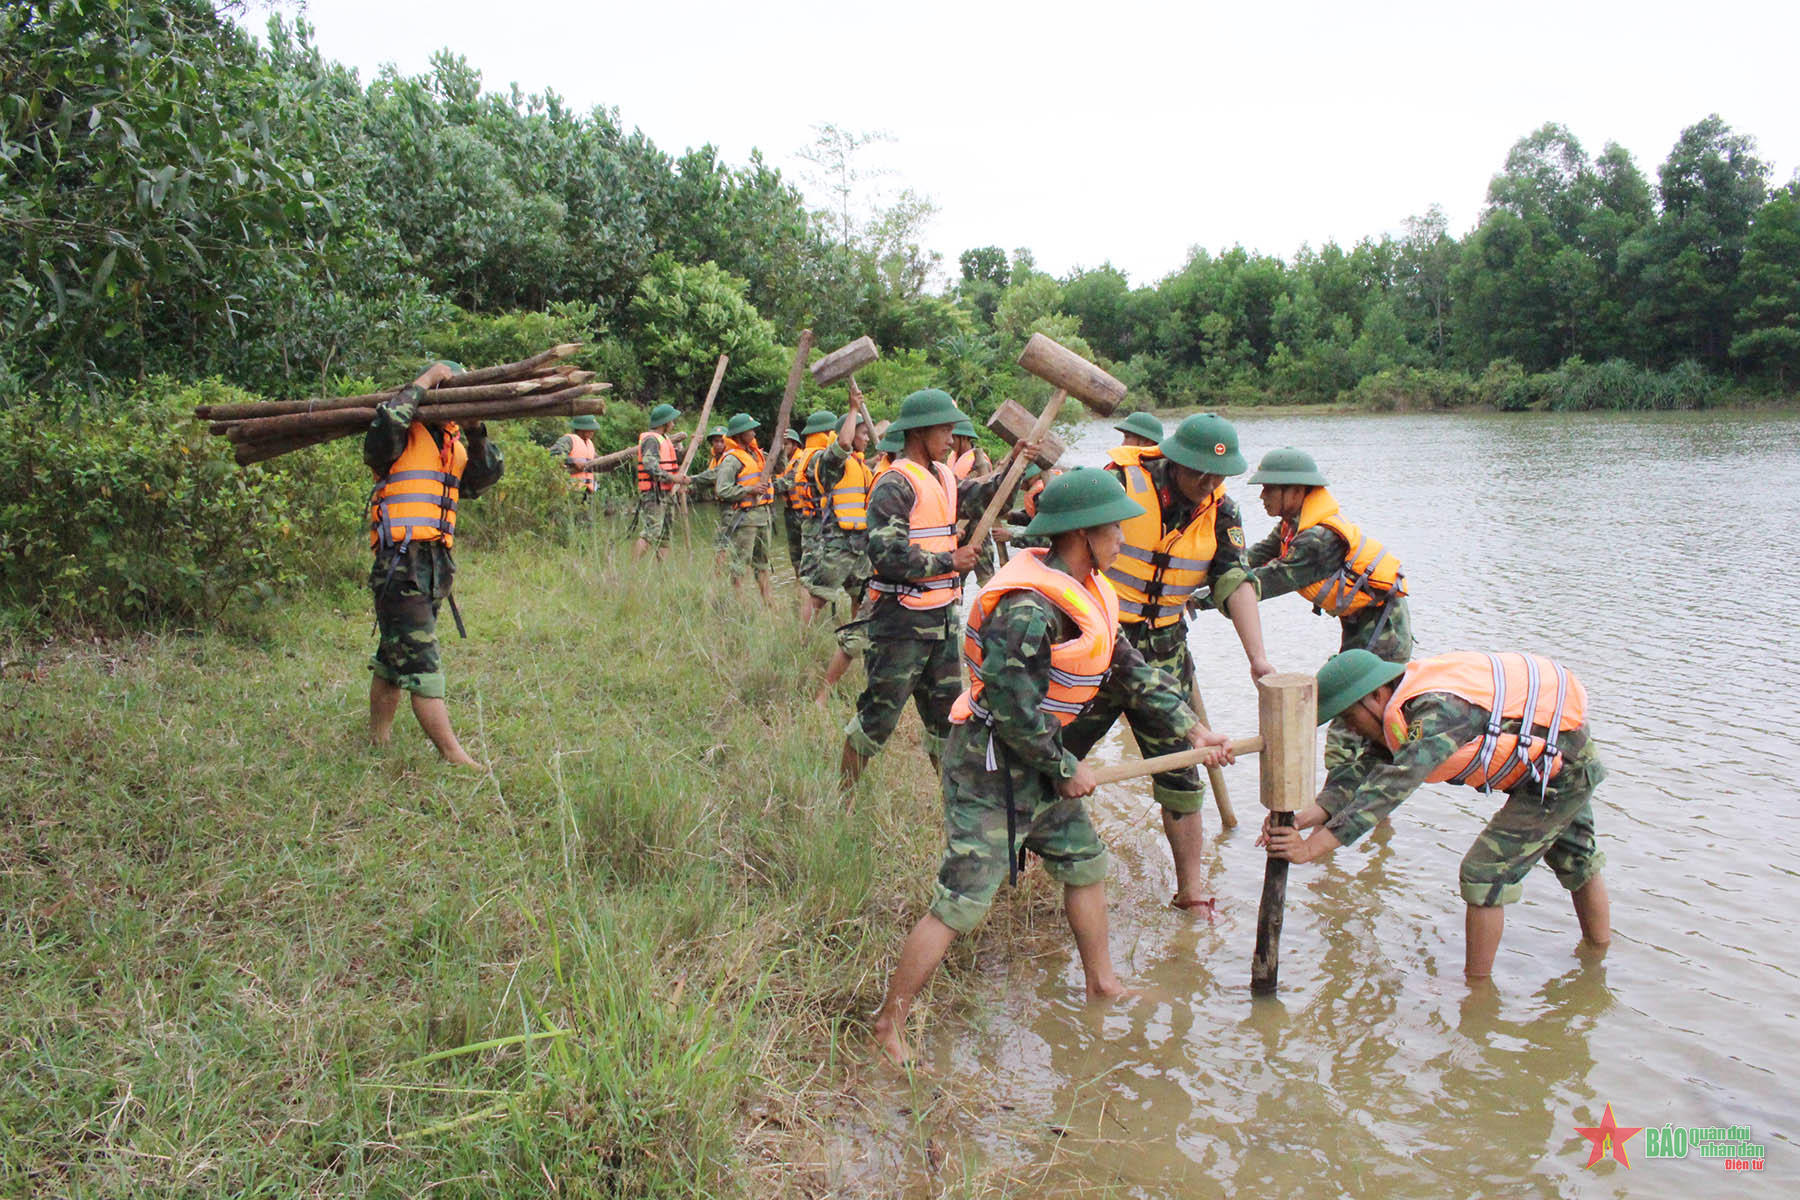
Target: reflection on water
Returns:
[[1655, 556]]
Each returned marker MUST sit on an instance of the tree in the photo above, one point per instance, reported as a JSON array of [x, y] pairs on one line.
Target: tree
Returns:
[[1768, 289], [836, 168], [1427, 256], [1685, 265]]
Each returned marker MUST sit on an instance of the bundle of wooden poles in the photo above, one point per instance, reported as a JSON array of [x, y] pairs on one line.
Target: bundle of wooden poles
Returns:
[[539, 386]]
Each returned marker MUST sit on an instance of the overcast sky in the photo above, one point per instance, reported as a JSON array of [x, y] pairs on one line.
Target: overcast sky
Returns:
[[1129, 131]]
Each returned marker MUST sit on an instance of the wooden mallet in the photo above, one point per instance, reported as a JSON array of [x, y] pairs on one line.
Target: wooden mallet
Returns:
[[1071, 375], [1013, 421], [1286, 707], [774, 449], [843, 363]]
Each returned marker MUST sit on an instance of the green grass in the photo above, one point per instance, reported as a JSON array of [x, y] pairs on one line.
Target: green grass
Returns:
[[245, 954]]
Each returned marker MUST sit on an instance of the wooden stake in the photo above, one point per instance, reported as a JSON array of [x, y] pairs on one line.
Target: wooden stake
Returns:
[[712, 393], [1214, 775], [1286, 708], [773, 450]]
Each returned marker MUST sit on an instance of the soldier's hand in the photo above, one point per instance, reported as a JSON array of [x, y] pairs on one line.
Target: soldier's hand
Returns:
[[1286, 842], [963, 559], [1260, 667], [1203, 738], [435, 374], [1081, 783]]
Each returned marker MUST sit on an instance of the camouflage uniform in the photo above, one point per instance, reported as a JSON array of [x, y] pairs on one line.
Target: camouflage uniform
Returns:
[[409, 584], [1180, 791], [744, 531], [1314, 557], [1029, 755], [911, 652], [1556, 825], [655, 519], [840, 557]]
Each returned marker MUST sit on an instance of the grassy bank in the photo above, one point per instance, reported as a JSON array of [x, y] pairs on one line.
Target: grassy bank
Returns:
[[244, 954]]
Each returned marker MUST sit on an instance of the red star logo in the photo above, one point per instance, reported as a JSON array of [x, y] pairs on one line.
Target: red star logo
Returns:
[[1609, 1133]]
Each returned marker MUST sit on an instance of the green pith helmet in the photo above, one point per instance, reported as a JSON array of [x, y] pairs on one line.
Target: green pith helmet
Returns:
[[1032, 471], [1348, 677], [790, 434], [1142, 424], [716, 431], [456, 368], [822, 421], [742, 423], [1206, 443], [964, 428], [662, 414], [892, 442], [1287, 465], [587, 423], [1082, 499], [925, 408]]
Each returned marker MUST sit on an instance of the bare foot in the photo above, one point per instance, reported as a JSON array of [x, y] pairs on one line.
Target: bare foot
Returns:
[[888, 1040], [820, 701], [462, 759], [1111, 989], [1196, 904]]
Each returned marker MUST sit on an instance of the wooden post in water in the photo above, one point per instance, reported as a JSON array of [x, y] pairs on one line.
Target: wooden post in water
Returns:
[[1286, 713]]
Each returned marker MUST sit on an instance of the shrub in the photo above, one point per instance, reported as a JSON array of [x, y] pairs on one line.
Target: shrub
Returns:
[[136, 516]]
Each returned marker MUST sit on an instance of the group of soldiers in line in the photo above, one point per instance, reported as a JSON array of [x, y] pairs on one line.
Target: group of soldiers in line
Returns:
[[1086, 621]]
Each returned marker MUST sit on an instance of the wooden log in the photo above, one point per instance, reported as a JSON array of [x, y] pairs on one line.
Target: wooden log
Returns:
[[566, 403], [438, 395], [712, 393], [294, 423], [773, 448], [1012, 421], [1286, 708], [518, 369]]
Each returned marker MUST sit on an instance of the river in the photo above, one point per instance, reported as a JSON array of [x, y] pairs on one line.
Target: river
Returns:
[[1629, 547]]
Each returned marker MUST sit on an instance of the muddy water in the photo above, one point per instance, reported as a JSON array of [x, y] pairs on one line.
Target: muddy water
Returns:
[[1657, 557]]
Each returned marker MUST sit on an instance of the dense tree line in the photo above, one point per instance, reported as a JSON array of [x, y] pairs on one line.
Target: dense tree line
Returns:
[[181, 199]]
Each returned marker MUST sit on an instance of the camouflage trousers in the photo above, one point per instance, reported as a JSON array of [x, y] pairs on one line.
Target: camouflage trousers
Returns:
[[1177, 791], [839, 563], [1556, 826], [853, 636], [406, 609], [747, 540], [794, 524], [1394, 643], [982, 846], [654, 521], [927, 671]]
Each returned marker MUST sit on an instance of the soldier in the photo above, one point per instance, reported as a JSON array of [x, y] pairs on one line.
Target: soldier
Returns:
[[1185, 551], [967, 458], [1041, 642], [421, 472], [742, 484], [1140, 429], [802, 510], [1459, 718], [916, 585], [853, 636], [576, 449], [1315, 551], [658, 477], [840, 554]]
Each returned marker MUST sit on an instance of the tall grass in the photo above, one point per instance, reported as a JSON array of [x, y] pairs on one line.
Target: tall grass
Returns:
[[244, 954]]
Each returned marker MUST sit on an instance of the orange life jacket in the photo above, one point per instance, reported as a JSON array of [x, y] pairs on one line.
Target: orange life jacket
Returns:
[[1035, 487], [1508, 686], [581, 447], [933, 529], [1368, 576], [850, 496], [962, 464], [750, 475], [416, 500], [803, 496], [1078, 666], [665, 454], [1122, 455], [1158, 574]]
